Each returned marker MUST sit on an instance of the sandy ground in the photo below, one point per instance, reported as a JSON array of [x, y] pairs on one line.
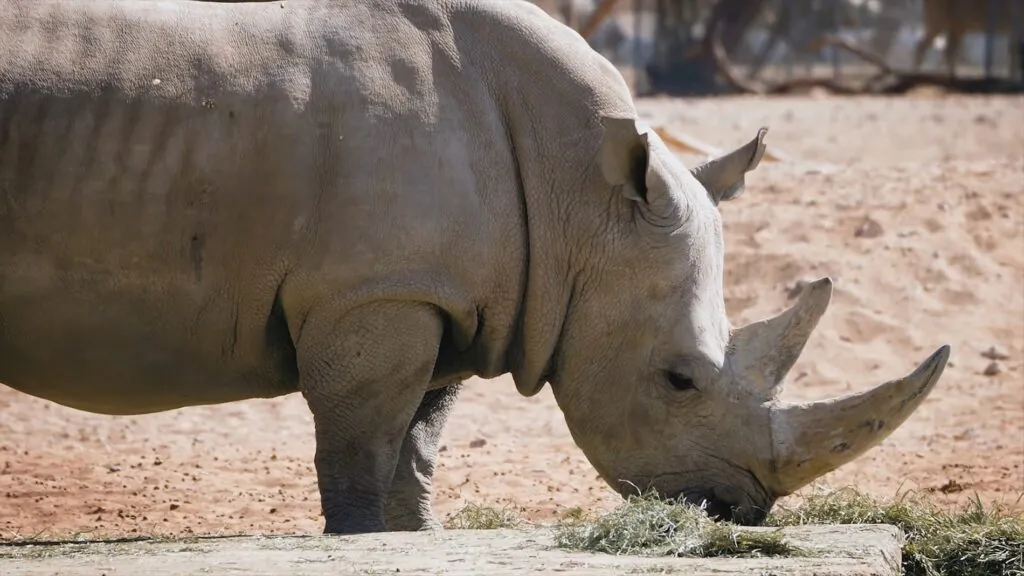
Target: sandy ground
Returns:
[[835, 551], [932, 183]]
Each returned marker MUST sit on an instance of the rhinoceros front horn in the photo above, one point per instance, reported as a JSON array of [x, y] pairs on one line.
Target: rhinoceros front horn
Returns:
[[812, 439]]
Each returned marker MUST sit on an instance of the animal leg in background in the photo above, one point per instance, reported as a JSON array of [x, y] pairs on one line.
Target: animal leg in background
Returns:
[[408, 505], [923, 45], [953, 41]]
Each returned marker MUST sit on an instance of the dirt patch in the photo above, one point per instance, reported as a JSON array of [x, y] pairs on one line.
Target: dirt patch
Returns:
[[940, 179]]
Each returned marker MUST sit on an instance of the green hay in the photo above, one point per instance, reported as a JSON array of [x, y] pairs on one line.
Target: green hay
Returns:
[[973, 541]]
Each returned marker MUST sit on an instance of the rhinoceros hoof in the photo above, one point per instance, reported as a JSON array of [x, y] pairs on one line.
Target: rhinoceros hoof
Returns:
[[413, 524]]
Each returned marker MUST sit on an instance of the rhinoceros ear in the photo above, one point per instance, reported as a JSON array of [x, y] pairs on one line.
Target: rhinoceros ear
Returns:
[[624, 156], [724, 177]]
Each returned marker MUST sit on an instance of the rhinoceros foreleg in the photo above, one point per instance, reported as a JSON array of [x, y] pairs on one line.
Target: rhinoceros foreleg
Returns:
[[364, 375], [408, 506]]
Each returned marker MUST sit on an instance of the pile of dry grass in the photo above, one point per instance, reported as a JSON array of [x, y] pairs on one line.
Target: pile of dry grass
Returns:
[[976, 540], [477, 517], [649, 526]]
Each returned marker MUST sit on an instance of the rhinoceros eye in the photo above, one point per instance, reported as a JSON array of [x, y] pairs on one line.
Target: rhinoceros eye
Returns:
[[681, 382]]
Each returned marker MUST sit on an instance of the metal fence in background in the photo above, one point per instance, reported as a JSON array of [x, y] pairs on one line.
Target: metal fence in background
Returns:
[[715, 46]]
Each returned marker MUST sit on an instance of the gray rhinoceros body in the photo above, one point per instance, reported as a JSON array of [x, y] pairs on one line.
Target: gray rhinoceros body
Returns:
[[181, 186], [367, 202]]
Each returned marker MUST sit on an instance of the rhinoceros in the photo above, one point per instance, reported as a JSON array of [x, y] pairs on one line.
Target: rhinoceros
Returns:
[[368, 203]]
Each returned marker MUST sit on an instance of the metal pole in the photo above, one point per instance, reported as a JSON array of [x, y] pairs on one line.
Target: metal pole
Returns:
[[1017, 14], [834, 25], [990, 28], [786, 11]]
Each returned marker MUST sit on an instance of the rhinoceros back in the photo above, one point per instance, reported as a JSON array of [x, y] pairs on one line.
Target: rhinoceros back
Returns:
[[130, 202], [163, 166]]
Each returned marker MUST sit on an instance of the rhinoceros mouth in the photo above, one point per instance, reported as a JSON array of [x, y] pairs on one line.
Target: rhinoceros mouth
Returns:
[[747, 506], [725, 510]]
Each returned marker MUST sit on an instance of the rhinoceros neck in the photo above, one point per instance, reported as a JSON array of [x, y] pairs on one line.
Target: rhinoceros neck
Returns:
[[553, 90]]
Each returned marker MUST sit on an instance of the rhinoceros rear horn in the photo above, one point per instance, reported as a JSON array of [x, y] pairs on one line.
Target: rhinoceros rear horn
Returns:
[[725, 176], [812, 439], [762, 353]]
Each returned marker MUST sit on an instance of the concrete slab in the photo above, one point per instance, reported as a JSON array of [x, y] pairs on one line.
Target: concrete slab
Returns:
[[865, 550]]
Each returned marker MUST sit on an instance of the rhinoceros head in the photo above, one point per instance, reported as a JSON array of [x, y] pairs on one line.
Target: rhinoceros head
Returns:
[[659, 390]]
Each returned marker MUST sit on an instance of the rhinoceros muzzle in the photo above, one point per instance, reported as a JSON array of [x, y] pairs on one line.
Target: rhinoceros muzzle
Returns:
[[726, 504], [811, 439]]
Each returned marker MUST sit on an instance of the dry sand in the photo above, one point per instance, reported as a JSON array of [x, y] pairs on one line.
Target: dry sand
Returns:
[[934, 185]]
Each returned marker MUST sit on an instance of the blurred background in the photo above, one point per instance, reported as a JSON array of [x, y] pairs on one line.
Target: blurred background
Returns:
[[670, 46]]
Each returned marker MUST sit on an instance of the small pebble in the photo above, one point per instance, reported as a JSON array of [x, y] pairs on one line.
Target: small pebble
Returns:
[[868, 228], [967, 433], [478, 443], [992, 369], [995, 353], [984, 120]]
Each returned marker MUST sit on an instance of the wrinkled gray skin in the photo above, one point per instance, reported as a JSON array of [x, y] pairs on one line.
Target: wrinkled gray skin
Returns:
[[366, 202]]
